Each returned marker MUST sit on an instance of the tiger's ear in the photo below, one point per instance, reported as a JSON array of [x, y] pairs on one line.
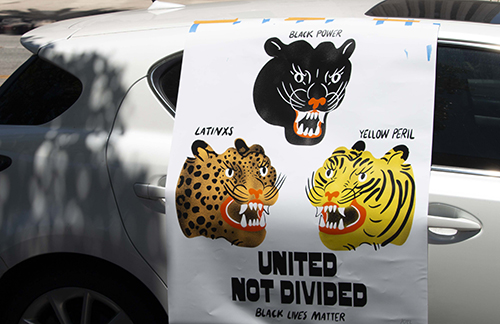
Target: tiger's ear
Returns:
[[348, 48], [359, 146], [400, 151], [202, 150], [273, 47]]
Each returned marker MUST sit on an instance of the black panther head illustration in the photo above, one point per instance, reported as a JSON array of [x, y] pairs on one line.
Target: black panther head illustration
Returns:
[[300, 85]]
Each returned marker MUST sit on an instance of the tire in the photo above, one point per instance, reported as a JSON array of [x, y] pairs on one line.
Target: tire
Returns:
[[79, 295]]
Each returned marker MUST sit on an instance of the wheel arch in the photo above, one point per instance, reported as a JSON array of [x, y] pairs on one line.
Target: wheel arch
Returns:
[[53, 264]]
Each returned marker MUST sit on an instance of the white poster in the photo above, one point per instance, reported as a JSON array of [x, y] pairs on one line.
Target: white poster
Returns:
[[298, 181]]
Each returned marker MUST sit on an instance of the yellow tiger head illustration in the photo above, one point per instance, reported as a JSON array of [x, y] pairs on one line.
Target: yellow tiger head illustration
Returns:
[[363, 200]]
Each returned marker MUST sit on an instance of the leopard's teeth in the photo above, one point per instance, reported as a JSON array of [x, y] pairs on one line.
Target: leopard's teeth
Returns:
[[243, 208], [266, 209], [243, 221]]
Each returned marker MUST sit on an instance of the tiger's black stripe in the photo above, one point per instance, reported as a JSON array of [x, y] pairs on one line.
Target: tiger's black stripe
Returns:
[[408, 213]]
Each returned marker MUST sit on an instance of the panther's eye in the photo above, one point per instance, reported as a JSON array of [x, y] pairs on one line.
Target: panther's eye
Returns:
[[229, 173], [299, 77], [362, 177], [336, 77], [329, 173], [263, 171]]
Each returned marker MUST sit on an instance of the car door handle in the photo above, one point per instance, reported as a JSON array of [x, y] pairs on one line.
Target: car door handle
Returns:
[[449, 224], [149, 191], [460, 224]]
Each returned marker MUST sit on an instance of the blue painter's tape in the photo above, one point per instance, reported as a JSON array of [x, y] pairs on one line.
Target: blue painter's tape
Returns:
[[236, 22], [193, 28], [299, 21], [408, 23], [265, 20], [329, 21], [429, 51], [379, 22], [438, 24], [406, 53]]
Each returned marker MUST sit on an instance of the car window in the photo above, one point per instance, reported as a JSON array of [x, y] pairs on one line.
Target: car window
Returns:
[[467, 108], [164, 79], [37, 93]]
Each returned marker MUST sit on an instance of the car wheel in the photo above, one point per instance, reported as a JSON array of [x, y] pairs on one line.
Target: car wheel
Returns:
[[74, 305], [76, 292]]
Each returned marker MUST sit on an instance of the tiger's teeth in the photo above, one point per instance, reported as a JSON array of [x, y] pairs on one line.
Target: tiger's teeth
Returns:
[[322, 222], [318, 129], [260, 206], [341, 224], [262, 221], [311, 132], [318, 211], [266, 209], [243, 208], [308, 115], [300, 131], [253, 206], [243, 221], [334, 225], [330, 208], [341, 211], [334, 208]]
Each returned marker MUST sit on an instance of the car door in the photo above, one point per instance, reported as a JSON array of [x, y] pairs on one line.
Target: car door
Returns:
[[464, 201]]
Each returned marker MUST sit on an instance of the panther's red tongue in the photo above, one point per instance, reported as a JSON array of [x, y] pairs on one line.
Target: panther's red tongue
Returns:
[[247, 217]]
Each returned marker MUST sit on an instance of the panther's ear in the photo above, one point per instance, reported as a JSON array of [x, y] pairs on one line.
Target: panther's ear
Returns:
[[202, 150], [400, 151], [348, 48], [359, 146], [241, 146], [273, 47]]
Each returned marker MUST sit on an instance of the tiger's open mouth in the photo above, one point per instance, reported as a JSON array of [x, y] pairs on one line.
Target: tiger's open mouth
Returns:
[[249, 217], [307, 124], [336, 220]]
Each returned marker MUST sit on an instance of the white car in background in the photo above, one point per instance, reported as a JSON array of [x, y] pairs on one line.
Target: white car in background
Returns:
[[86, 126]]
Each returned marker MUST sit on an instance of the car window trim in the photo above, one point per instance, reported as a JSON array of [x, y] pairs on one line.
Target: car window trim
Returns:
[[155, 73]]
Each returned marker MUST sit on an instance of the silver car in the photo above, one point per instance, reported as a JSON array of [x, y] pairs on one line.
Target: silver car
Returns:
[[86, 126]]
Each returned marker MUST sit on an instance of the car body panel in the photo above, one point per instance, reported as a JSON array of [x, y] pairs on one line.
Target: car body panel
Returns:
[[462, 276], [138, 153]]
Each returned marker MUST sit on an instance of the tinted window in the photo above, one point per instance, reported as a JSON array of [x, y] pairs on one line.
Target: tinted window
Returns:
[[467, 112], [165, 77], [37, 93], [461, 10]]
